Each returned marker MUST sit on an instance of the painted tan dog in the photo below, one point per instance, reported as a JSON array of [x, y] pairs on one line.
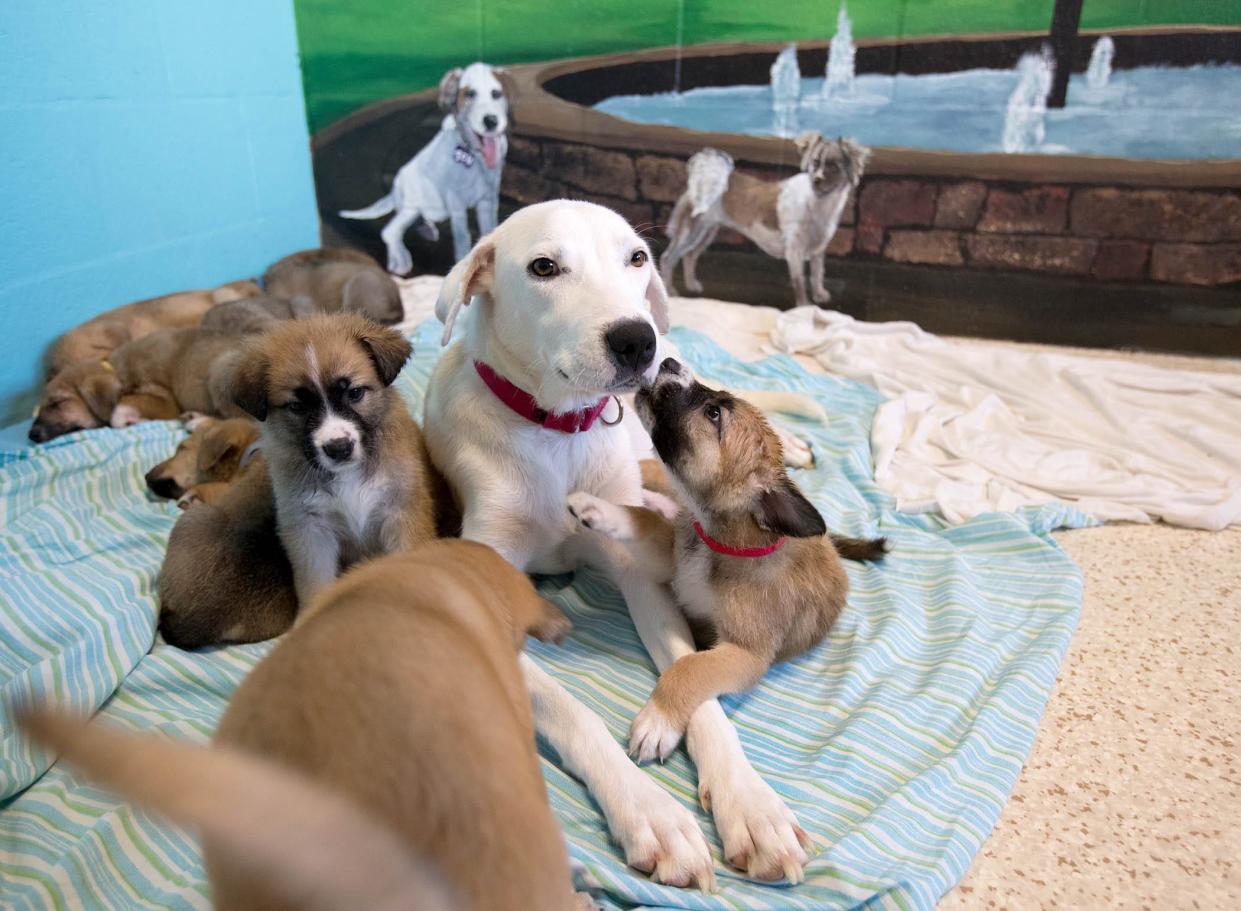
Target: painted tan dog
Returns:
[[750, 558], [382, 756], [205, 462], [99, 337]]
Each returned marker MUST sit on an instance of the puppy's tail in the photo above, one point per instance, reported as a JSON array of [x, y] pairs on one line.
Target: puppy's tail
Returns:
[[860, 549], [707, 177], [381, 206], [309, 846]]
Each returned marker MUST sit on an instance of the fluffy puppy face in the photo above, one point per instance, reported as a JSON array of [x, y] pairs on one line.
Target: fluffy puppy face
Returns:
[[320, 387], [723, 454], [831, 164], [476, 97], [80, 397], [211, 453]]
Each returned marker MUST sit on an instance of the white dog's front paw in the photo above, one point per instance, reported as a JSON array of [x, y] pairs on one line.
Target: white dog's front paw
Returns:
[[652, 735], [608, 519], [760, 833], [125, 416], [797, 452], [658, 835]]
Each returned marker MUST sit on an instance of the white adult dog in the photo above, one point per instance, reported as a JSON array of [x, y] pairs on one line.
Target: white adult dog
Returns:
[[565, 306], [457, 170]]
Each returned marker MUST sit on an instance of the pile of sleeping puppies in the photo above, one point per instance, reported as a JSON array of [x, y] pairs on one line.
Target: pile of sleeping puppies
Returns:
[[383, 754]]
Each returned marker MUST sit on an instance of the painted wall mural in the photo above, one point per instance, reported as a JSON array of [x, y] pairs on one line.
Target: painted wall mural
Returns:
[[1066, 170]]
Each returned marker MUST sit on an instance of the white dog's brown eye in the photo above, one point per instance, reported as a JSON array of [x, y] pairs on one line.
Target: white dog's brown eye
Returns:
[[542, 267], [712, 411], [469, 93], [638, 259]]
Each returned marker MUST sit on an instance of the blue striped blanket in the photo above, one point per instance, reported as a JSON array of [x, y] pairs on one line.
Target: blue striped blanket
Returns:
[[895, 742]]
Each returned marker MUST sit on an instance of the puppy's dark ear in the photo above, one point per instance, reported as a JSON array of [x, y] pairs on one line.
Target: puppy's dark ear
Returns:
[[783, 509], [101, 390], [389, 350], [448, 89], [249, 385]]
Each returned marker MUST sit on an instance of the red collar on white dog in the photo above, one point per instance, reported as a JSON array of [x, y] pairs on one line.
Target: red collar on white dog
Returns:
[[523, 403], [737, 551]]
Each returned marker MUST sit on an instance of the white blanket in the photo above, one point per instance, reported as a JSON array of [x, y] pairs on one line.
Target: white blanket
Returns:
[[972, 428]]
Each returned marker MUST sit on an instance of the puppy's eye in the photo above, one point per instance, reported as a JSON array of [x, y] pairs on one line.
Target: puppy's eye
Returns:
[[355, 394], [295, 407], [469, 93], [542, 267], [712, 411], [497, 94], [638, 259]]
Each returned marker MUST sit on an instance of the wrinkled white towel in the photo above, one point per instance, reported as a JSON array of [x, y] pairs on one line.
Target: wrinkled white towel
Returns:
[[976, 428]]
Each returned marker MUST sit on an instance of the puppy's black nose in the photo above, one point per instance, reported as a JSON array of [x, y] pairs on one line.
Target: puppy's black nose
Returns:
[[338, 449], [163, 486], [37, 434], [490, 121], [670, 365], [632, 344]]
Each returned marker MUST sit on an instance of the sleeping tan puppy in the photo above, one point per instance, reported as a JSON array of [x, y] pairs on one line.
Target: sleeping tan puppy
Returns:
[[388, 734], [157, 377], [99, 337], [205, 462], [337, 280], [749, 558], [350, 472]]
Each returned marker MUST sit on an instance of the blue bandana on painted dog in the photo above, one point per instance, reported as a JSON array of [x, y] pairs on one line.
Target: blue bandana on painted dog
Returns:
[[463, 156]]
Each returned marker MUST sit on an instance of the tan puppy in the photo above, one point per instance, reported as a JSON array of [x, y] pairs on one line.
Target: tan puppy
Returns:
[[749, 557], [99, 337], [157, 377], [401, 700], [348, 465], [338, 281], [204, 463], [225, 576]]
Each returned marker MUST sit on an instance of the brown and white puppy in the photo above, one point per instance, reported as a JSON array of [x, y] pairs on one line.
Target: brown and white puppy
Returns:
[[205, 462], [99, 337], [749, 557], [794, 219], [382, 756], [255, 314], [348, 465], [157, 377], [225, 576], [337, 280]]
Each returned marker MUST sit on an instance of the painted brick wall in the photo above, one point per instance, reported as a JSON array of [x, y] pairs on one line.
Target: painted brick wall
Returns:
[[146, 146]]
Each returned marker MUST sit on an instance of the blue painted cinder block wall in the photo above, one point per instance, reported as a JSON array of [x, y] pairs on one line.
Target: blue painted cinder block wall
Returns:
[[146, 146]]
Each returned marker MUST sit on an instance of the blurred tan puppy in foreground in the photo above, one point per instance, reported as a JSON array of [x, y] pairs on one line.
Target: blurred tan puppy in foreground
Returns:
[[382, 756]]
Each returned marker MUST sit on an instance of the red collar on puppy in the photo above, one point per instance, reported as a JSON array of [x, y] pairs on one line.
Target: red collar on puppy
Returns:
[[523, 403], [737, 551]]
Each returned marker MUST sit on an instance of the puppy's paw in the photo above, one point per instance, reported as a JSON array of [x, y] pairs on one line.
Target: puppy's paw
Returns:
[[189, 499], [760, 834], [821, 296], [660, 503], [693, 286], [653, 735], [125, 416], [551, 625], [657, 834], [193, 420], [608, 519], [797, 452]]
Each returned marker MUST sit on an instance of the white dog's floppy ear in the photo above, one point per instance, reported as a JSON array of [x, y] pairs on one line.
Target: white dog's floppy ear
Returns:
[[473, 275], [657, 297], [448, 89], [805, 140]]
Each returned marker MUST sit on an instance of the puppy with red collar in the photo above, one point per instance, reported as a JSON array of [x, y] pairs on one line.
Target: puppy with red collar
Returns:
[[749, 557]]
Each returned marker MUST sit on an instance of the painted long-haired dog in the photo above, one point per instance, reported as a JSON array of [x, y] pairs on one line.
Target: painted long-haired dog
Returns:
[[794, 219], [457, 170]]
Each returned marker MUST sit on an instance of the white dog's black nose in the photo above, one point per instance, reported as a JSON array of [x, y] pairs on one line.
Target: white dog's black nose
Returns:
[[338, 449], [632, 344], [490, 121]]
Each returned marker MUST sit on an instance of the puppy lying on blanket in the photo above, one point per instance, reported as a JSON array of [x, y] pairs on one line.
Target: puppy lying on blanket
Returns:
[[337, 280], [205, 462], [314, 798], [348, 465], [750, 559], [255, 314], [156, 377]]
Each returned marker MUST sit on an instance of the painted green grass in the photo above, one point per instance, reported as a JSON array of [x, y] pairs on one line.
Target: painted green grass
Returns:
[[358, 51]]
